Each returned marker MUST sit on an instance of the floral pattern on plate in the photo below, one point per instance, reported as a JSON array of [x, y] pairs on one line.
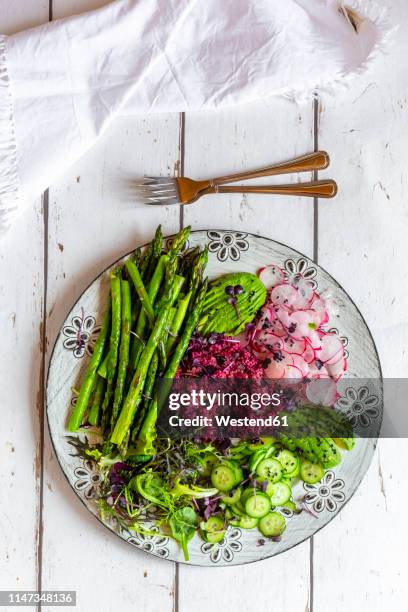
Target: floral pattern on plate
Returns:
[[360, 406], [81, 335], [300, 269], [326, 494], [154, 544], [227, 245], [226, 549], [87, 479]]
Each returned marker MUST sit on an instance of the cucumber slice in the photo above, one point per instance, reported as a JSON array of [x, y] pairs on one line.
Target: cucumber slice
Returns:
[[239, 474], [256, 458], [223, 477], [269, 469], [247, 522], [237, 510], [213, 530], [232, 497], [290, 505], [214, 538], [288, 460], [245, 494], [311, 472], [207, 464], [229, 514], [295, 472], [257, 505], [280, 493], [272, 524]]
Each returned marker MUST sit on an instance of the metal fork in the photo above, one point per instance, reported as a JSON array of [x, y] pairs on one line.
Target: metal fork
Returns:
[[182, 190]]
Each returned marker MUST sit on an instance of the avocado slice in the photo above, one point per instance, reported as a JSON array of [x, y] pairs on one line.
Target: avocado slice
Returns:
[[228, 312]]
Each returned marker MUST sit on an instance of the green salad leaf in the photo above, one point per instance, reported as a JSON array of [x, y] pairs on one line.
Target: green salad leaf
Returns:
[[183, 524]]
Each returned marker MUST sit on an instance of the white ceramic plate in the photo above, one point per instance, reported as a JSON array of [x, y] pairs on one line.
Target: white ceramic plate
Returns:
[[229, 251]]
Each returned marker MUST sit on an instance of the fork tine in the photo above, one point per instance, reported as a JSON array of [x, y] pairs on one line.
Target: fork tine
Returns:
[[162, 197], [164, 188], [148, 181], [163, 201], [157, 190], [166, 192], [161, 179]]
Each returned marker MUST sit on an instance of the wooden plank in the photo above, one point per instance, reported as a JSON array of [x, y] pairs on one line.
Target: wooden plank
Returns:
[[360, 558], [23, 14], [21, 303], [218, 143], [92, 221], [62, 9]]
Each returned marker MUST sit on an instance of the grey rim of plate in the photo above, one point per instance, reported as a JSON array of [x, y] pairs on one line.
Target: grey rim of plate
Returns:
[[229, 251]]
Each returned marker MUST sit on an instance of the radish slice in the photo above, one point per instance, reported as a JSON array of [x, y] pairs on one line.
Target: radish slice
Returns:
[[284, 294], [305, 289], [283, 314], [277, 329], [319, 307], [301, 364], [318, 372], [317, 303], [309, 355], [265, 341], [293, 372], [291, 332], [271, 276], [332, 349], [315, 340], [302, 323], [279, 363], [337, 369], [297, 347], [301, 303], [322, 392]]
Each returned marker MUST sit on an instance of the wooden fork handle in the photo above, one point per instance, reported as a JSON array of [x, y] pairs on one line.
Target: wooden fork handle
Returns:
[[306, 163], [315, 189]]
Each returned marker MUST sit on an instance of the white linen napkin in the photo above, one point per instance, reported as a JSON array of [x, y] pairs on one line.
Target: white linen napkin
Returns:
[[61, 84]]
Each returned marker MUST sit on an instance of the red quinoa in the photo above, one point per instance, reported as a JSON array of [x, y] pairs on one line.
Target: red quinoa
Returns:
[[220, 357]]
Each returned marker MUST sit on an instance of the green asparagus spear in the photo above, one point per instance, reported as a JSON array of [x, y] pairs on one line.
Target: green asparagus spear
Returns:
[[170, 273], [123, 351], [197, 272], [172, 291], [113, 345], [188, 331], [156, 249], [137, 256], [133, 397], [147, 394], [177, 322], [161, 347], [97, 399], [188, 260], [103, 368], [78, 412], [147, 435], [152, 291], [140, 290], [146, 259], [180, 240]]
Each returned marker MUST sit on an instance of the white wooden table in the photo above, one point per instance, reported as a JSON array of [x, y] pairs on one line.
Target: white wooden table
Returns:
[[358, 563]]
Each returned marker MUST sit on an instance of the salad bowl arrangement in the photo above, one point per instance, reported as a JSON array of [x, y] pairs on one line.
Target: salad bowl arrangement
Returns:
[[223, 305]]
